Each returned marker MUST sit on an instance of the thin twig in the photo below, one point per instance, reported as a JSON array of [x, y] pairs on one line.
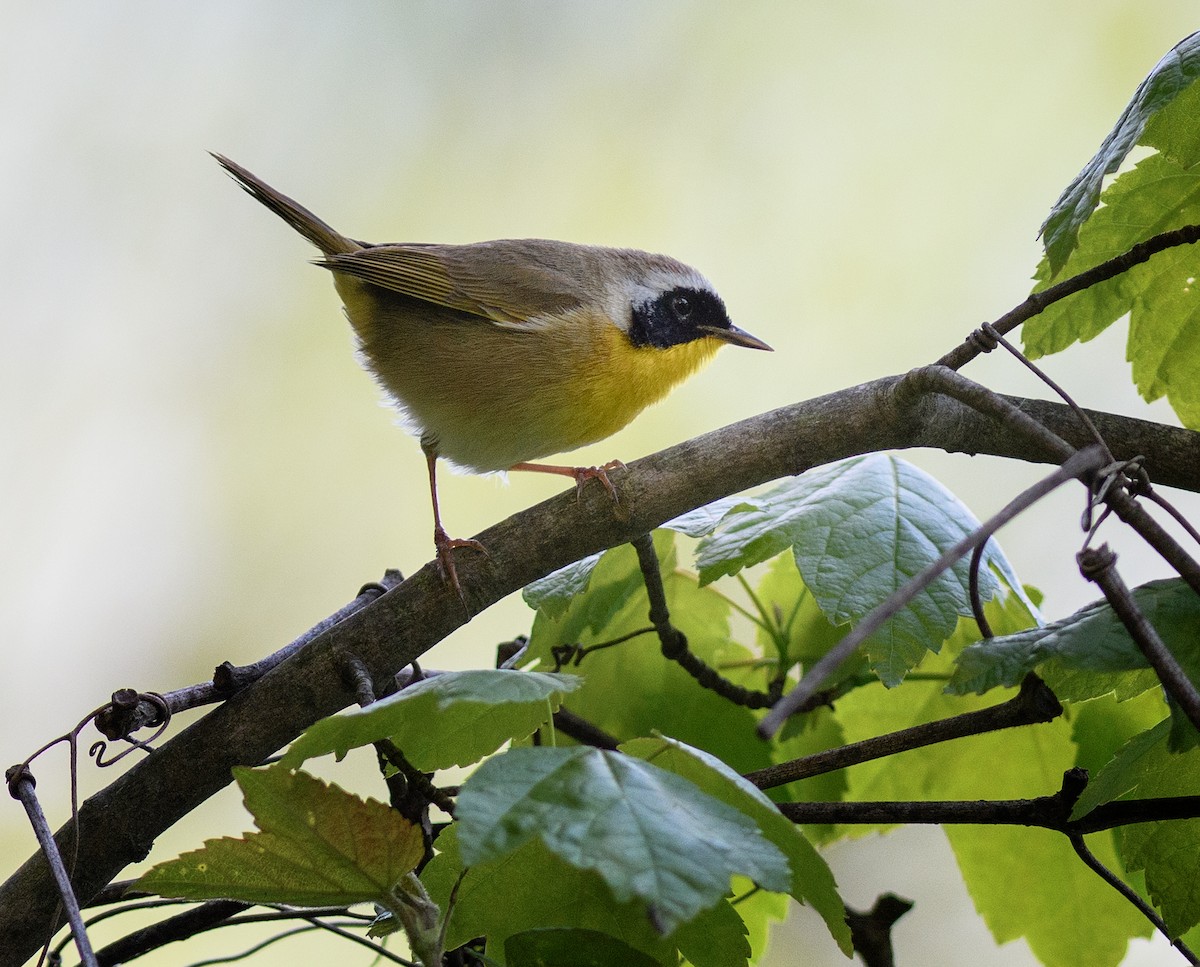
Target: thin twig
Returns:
[[418, 780], [257, 948], [21, 785], [315, 923], [581, 730], [991, 332], [575, 653], [1034, 703], [1079, 464], [1176, 514], [359, 678], [217, 914], [871, 930], [1039, 301], [228, 678], [674, 642], [1152, 532], [985, 628], [183, 925], [1098, 565], [1046, 812], [1144, 908]]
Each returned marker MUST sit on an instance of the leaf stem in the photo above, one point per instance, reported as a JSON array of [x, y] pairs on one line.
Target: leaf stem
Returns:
[[764, 618]]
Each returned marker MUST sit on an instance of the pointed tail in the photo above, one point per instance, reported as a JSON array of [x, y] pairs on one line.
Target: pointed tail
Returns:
[[300, 218]]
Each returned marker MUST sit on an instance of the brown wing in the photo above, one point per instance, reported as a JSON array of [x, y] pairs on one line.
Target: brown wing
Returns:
[[510, 282]]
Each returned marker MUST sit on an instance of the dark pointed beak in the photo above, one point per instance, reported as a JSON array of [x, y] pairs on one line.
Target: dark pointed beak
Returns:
[[735, 337]]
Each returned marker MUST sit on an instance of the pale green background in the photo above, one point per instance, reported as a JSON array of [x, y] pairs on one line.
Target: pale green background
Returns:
[[192, 467]]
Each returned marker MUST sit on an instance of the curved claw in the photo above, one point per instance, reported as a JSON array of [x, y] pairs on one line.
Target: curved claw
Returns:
[[583, 474], [445, 546]]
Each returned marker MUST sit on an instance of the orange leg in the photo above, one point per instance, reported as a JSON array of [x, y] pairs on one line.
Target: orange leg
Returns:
[[580, 475], [443, 543]]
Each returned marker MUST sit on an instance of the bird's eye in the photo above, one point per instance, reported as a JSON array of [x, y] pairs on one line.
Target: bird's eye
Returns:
[[681, 305]]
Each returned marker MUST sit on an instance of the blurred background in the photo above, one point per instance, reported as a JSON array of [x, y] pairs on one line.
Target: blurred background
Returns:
[[192, 466]]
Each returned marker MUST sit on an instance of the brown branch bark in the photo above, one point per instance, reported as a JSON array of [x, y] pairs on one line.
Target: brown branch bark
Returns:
[[120, 823]]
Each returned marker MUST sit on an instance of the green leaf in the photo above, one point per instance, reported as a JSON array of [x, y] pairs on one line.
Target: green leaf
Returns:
[[704, 520], [1159, 295], [1173, 130], [1066, 913], [822, 730], [716, 937], [630, 689], [650, 834], [509, 896], [1123, 773], [615, 579], [924, 773], [475, 713], [800, 631], [319, 846], [553, 593], [1167, 852], [811, 880], [571, 948], [758, 909], [1172, 76], [1089, 653], [1101, 727], [1155, 196], [859, 529]]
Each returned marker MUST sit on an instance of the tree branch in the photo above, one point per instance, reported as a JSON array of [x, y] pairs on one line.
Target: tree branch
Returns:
[[121, 822], [1046, 812], [1033, 704]]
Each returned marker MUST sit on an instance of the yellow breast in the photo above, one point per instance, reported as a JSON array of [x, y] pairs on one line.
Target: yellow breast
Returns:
[[489, 396]]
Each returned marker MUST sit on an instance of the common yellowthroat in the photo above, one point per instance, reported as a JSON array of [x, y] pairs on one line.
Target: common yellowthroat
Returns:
[[500, 353]]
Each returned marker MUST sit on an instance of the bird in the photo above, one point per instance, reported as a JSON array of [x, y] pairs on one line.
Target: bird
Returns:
[[498, 354]]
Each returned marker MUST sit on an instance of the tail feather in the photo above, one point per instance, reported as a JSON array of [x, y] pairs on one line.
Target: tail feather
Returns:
[[300, 218]]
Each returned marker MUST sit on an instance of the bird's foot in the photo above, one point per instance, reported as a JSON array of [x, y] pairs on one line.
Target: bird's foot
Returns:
[[583, 474], [445, 545]]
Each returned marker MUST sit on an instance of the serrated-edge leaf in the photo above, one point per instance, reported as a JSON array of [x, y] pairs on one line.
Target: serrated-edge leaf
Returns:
[[553, 593], [496, 900], [812, 880], [704, 520], [1159, 296], [859, 529], [492, 706], [1176, 71], [1122, 773], [1090, 640], [649, 833], [1166, 850], [319, 845]]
